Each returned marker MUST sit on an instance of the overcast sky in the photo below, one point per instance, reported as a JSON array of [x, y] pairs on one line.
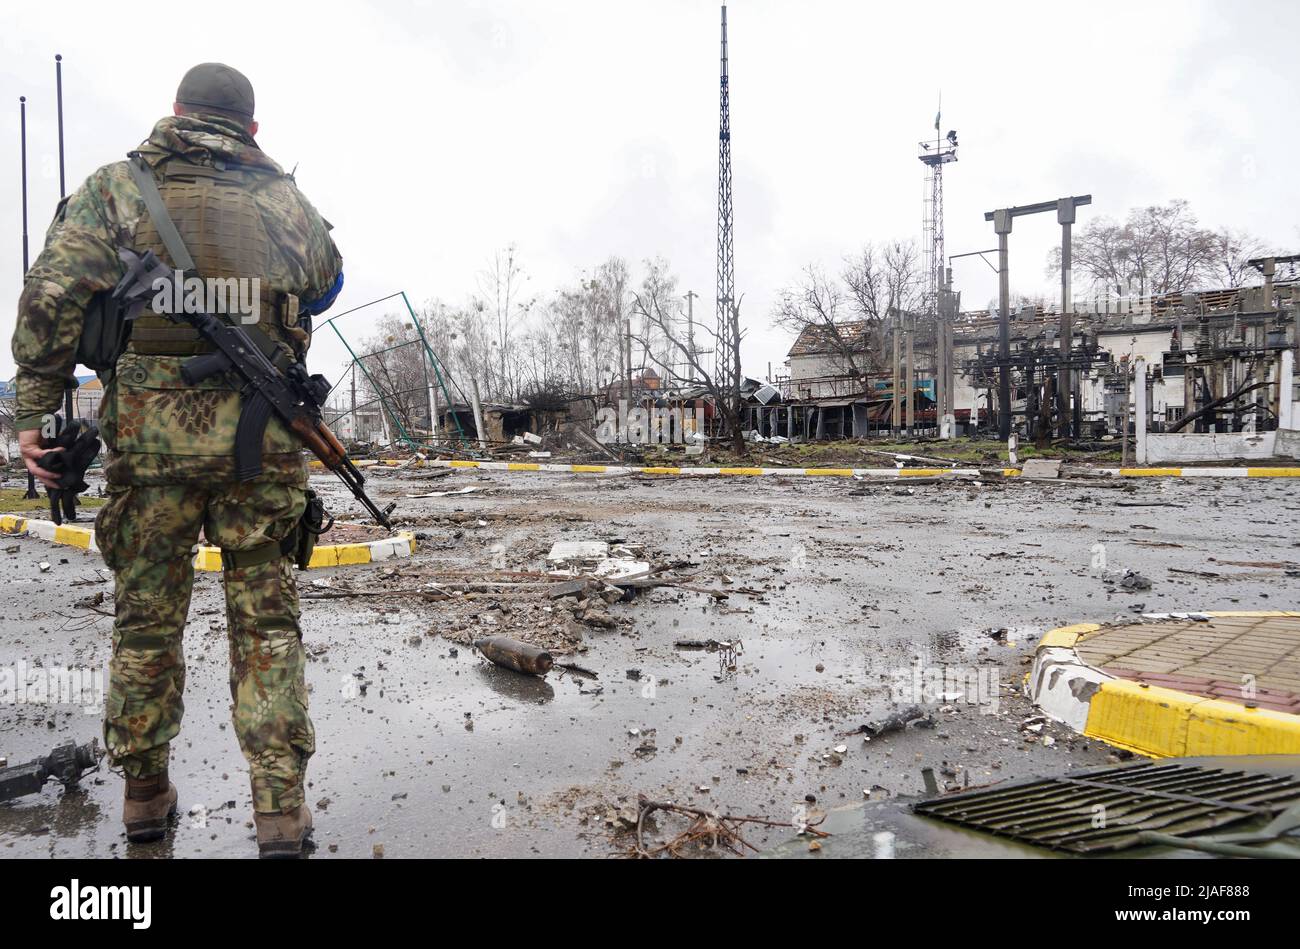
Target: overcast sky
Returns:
[[431, 133]]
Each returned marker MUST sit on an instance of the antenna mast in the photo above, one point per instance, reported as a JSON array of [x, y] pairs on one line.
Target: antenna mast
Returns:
[[725, 359]]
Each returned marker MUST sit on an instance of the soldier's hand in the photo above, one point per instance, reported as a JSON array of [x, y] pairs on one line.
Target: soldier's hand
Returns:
[[29, 444]]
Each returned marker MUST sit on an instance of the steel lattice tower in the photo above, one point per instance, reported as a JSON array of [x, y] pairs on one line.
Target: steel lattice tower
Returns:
[[725, 366], [934, 155]]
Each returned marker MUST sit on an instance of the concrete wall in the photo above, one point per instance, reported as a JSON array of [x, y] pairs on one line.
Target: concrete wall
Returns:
[[818, 366], [1182, 447]]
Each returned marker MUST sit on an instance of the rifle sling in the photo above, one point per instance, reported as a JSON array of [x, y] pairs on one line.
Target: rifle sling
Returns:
[[142, 174]]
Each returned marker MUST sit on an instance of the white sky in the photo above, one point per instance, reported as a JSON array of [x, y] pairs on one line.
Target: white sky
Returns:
[[432, 133]]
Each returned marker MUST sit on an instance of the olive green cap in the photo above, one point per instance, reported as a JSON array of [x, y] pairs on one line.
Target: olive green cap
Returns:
[[216, 86]]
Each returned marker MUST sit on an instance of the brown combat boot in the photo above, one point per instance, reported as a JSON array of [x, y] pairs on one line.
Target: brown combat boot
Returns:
[[150, 803], [283, 835]]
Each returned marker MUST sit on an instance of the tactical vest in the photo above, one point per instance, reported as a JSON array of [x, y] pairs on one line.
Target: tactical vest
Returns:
[[218, 218]]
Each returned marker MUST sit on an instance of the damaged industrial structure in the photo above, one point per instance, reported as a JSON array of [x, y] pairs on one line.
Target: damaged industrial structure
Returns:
[[1214, 362], [1219, 361]]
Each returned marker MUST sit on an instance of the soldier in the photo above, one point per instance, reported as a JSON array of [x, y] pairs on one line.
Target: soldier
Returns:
[[170, 461]]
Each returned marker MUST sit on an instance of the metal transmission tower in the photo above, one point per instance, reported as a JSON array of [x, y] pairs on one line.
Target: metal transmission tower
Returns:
[[938, 304], [725, 366], [934, 155]]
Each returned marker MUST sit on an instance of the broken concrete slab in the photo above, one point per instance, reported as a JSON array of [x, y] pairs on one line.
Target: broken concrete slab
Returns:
[[1041, 468], [568, 550]]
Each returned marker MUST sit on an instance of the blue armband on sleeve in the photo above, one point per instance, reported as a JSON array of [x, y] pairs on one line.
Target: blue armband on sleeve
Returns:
[[323, 303]]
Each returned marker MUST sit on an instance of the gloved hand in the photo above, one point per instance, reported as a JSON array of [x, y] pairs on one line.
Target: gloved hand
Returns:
[[70, 454], [34, 452]]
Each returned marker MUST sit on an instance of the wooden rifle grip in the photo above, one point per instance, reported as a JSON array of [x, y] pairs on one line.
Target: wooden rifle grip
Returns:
[[326, 449]]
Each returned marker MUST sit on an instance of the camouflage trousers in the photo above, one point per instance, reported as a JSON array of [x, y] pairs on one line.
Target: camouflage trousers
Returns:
[[146, 533]]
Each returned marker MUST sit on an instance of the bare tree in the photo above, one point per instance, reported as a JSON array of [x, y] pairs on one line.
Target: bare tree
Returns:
[[818, 306], [1231, 250], [610, 295], [659, 285], [850, 319], [1159, 249], [659, 314], [502, 308]]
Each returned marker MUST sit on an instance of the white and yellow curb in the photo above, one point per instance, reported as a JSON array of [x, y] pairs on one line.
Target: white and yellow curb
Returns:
[[401, 544], [1147, 719], [745, 472]]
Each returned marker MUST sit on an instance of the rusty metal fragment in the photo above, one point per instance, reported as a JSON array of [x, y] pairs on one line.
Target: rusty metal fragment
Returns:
[[512, 654]]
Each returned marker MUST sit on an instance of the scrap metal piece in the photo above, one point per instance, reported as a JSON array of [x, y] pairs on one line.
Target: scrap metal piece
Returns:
[[67, 763]]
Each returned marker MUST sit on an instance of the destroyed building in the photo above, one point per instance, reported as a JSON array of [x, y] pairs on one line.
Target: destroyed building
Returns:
[[1200, 347]]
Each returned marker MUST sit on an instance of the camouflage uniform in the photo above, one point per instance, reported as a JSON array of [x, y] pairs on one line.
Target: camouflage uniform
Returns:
[[170, 464]]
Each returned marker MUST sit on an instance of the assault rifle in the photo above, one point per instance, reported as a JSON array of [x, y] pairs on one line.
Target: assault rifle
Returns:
[[293, 395]]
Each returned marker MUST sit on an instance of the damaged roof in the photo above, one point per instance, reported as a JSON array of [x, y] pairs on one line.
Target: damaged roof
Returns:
[[820, 338]]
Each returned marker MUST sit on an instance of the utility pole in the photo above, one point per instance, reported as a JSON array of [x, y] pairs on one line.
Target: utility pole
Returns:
[[58, 85], [22, 124], [1002, 219], [356, 429], [896, 409], [690, 335], [32, 493], [478, 412], [69, 499], [1002, 227], [1065, 215], [911, 375]]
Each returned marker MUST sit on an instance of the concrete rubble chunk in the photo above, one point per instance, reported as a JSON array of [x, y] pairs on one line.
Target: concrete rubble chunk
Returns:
[[1041, 468]]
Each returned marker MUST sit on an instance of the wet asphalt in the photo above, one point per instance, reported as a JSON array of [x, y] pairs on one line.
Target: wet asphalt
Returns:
[[841, 594]]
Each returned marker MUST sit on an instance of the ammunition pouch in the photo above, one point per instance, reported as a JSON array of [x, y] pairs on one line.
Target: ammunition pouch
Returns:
[[104, 334]]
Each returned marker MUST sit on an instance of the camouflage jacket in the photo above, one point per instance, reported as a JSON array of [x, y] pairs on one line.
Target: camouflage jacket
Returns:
[[80, 259], [80, 254]]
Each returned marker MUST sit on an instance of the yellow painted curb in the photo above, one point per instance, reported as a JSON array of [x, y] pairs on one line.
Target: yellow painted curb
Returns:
[[1147, 719], [1166, 723], [1151, 472], [208, 559], [1273, 472], [1159, 722], [1067, 636]]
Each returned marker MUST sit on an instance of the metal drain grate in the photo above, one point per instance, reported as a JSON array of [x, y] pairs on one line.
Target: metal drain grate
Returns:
[[1105, 809]]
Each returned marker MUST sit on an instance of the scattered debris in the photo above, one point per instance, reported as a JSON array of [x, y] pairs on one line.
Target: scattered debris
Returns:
[[912, 715], [67, 763], [708, 830]]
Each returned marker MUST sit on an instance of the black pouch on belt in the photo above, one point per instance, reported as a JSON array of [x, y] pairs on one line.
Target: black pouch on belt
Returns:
[[314, 522]]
